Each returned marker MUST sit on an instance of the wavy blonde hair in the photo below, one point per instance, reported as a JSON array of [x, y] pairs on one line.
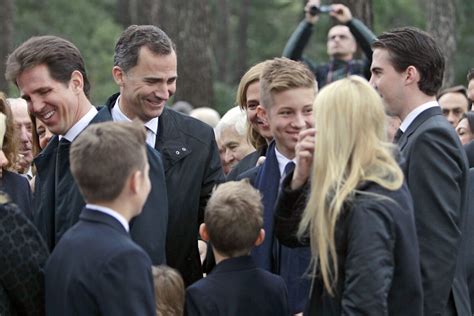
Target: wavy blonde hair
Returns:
[[352, 148], [251, 76]]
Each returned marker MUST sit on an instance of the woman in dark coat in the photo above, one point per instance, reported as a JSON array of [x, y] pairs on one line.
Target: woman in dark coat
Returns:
[[359, 216], [22, 257]]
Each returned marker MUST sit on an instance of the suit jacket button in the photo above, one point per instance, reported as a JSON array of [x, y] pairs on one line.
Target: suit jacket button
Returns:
[[183, 149], [177, 152]]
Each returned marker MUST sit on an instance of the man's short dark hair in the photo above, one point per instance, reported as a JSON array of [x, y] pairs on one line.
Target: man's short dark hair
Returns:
[[104, 156], [233, 218], [410, 46], [135, 37], [60, 56]]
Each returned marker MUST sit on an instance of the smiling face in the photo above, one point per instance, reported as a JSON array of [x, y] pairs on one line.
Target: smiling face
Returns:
[[290, 113], [253, 100], [54, 103], [145, 88], [464, 131]]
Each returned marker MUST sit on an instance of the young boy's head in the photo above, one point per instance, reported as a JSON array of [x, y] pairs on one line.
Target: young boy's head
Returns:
[[108, 161], [287, 92], [169, 291], [233, 219]]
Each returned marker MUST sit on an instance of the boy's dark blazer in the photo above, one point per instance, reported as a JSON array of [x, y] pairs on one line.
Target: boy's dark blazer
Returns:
[[58, 201], [237, 287], [436, 171], [96, 269]]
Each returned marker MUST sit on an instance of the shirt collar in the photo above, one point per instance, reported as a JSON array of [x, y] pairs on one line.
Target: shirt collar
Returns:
[[414, 113], [282, 161], [119, 116], [110, 212], [77, 128]]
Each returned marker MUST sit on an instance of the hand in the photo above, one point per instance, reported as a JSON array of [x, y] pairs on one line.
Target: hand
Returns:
[[311, 18], [341, 13], [304, 151], [202, 246]]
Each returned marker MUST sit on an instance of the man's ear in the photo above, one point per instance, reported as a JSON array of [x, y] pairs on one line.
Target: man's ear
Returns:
[[412, 75], [203, 232], [260, 237], [118, 75], [77, 81], [134, 183], [262, 114]]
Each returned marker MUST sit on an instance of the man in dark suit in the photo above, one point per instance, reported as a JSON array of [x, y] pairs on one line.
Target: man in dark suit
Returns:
[[407, 70], [236, 286], [96, 269], [145, 69], [51, 76]]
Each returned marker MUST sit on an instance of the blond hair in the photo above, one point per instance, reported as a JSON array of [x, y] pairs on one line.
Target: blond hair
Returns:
[[251, 76], [351, 148], [282, 74]]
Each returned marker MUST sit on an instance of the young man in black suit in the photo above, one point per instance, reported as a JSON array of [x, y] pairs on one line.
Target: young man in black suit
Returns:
[[407, 70], [96, 269], [236, 286]]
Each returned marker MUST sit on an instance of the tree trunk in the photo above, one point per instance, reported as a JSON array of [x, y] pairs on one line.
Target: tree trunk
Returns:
[[442, 25], [147, 11], [124, 13], [242, 45], [6, 23], [361, 9], [187, 22], [222, 44]]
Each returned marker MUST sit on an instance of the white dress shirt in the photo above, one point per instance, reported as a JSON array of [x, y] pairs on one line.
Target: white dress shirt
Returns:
[[417, 111], [151, 125], [77, 128], [282, 162]]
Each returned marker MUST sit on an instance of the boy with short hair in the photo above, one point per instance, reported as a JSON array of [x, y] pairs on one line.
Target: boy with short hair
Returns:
[[287, 92], [96, 269], [233, 224]]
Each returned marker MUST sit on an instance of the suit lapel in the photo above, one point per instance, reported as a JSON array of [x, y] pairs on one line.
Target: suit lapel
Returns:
[[418, 121]]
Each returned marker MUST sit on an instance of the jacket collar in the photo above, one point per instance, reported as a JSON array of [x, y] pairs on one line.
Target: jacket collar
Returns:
[[171, 141], [420, 119], [90, 215], [234, 264]]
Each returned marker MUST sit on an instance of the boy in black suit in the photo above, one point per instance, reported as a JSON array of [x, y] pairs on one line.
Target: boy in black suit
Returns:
[[96, 269], [233, 223]]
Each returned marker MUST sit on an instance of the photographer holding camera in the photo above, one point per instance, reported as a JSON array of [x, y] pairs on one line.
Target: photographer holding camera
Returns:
[[341, 43]]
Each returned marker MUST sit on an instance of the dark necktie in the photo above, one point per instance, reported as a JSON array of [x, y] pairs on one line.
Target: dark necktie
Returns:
[[290, 166], [397, 136]]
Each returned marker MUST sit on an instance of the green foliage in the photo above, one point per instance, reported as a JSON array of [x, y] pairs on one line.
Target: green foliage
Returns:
[[87, 23], [91, 26], [224, 97]]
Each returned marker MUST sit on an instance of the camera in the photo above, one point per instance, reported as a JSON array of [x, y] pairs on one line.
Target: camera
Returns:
[[315, 10]]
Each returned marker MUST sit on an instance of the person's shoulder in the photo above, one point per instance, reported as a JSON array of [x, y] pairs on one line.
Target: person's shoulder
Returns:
[[189, 123]]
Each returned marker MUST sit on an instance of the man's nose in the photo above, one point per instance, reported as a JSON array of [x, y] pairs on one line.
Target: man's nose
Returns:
[[229, 156], [162, 92]]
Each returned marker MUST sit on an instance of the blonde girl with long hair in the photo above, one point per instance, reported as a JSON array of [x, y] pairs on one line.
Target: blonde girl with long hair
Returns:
[[359, 217]]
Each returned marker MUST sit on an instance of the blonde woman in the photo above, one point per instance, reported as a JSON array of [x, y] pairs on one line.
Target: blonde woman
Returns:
[[359, 217]]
